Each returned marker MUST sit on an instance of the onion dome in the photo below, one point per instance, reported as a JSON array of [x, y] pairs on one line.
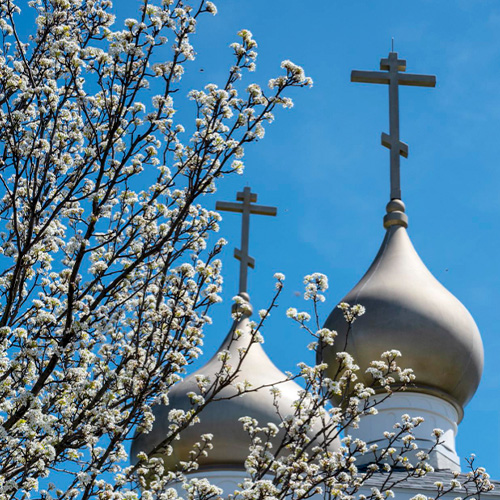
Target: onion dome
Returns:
[[221, 418], [409, 310]]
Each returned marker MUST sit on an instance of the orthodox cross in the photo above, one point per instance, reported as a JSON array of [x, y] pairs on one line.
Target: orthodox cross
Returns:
[[390, 75], [246, 208]]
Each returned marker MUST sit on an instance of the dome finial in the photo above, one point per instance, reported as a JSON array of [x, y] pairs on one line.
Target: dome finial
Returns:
[[390, 75], [395, 215], [245, 208]]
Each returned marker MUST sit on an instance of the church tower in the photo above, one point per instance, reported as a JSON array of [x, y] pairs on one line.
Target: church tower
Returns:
[[248, 393], [407, 309]]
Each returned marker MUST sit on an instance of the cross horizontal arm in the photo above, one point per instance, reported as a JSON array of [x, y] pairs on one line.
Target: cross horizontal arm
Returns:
[[385, 64], [370, 76], [263, 210], [417, 80], [240, 196], [403, 78], [227, 206], [387, 142], [250, 261]]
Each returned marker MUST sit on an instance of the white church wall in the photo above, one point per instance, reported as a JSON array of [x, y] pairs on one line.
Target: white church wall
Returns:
[[437, 414], [229, 480]]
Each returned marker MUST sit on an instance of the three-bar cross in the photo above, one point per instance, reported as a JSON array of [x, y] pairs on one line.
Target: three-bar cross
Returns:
[[391, 76], [246, 208]]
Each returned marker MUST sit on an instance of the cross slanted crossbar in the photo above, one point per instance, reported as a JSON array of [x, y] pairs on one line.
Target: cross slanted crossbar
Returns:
[[246, 208], [390, 75]]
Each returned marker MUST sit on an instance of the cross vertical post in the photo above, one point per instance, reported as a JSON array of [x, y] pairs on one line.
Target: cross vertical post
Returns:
[[243, 255], [246, 207], [394, 142], [390, 75]]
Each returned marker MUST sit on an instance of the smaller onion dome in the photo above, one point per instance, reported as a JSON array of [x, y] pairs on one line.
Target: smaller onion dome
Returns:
[[409, 310], [221, 418]]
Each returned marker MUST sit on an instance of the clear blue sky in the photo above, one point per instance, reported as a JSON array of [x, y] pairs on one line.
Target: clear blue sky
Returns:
[[322, 166]]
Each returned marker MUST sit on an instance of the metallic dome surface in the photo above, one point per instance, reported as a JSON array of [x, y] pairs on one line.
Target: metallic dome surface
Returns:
[[409, 310], [221, 418]]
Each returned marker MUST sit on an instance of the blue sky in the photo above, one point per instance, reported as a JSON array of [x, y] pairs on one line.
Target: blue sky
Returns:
[[322, 166]]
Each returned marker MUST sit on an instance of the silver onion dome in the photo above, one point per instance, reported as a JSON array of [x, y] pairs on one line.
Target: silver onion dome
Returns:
[[221, 418], [409, 310]]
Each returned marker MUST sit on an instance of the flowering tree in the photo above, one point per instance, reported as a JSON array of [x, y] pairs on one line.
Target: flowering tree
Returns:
[[105, 287]]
